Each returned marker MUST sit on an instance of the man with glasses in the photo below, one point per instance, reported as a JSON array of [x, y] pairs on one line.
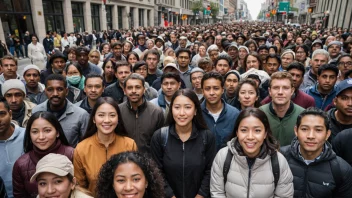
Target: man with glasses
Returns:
[[344, 64]]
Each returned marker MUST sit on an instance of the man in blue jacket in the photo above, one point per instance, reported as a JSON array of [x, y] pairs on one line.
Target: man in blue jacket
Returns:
[[219, 116], [324, 92]]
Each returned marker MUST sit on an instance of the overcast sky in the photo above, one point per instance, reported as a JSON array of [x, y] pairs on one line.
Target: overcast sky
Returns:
[[254, 7]]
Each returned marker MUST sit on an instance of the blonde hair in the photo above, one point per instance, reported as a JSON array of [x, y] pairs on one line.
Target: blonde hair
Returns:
[[280, 75], [92, 51], [168, 59]]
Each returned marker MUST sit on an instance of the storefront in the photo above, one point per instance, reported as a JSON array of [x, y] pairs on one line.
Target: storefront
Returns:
[[16, 17]]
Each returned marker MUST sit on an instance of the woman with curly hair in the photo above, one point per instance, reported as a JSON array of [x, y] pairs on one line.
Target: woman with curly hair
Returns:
[[130, 173]]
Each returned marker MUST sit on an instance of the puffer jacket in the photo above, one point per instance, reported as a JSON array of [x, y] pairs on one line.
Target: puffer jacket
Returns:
[[24, 169], [317, 179], [245, 182]]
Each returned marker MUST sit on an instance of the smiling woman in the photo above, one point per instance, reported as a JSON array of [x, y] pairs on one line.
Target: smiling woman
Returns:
[[43, 135]]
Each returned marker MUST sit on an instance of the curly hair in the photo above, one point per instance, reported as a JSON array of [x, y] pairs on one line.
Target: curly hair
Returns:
[[153, 175]]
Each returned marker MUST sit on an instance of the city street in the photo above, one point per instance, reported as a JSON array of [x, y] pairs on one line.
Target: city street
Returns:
[[21, 64]]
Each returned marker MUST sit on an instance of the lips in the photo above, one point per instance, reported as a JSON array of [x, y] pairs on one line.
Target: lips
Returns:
[[310, 143], [250, 144]]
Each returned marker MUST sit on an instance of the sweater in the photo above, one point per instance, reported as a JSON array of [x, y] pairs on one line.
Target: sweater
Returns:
[[242, 181], [320, 101], [87, 166], [282, 129]]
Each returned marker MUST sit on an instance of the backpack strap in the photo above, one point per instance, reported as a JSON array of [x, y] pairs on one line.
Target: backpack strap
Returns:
[[276, 168], [227, 165], [336, 172], [164, 135]]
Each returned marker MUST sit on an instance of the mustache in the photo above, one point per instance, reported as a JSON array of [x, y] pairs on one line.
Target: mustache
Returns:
[[55, 97]]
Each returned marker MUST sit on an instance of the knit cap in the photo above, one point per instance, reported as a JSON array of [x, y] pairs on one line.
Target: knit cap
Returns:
[[12, 84], [28, 67]]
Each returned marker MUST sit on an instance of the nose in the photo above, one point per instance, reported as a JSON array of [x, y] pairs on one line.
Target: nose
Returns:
[[13, 99], [107, 118], [41, 135], [31, 77], [246, 95], [51, 189], [250, 135], [129, 186], [310, 134]]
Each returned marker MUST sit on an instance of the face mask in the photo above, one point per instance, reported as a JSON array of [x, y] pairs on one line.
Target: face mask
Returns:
[[73, 80]]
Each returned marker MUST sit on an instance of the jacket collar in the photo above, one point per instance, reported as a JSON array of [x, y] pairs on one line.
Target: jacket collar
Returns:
[[314, 89], [99, 143], [326, 155], [16, 132], [161, 100], [140, 108], [194, 133], [288, 112]]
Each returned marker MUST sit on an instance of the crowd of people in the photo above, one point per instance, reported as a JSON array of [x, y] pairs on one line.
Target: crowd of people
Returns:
[[220, 110]]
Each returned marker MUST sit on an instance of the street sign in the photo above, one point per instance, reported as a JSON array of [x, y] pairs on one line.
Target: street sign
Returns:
[[284, 6]]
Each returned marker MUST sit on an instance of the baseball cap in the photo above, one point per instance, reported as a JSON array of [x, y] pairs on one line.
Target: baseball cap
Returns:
[[343, 85], [173, 65], [53, 163]]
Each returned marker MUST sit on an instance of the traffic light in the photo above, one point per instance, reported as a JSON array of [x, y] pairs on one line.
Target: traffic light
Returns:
[[310, 10]]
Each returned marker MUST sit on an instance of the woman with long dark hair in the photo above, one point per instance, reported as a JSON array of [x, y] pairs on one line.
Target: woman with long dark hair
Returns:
[[138, 171], [247, 94], [43, 135], [109, 72], [184, 150], [250, 161], [105, 136]]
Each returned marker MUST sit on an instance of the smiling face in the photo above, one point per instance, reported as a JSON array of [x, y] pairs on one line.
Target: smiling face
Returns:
[[106, 119], [183, 111], [52, 185], [251, 134], [129, 181], [43, 134]]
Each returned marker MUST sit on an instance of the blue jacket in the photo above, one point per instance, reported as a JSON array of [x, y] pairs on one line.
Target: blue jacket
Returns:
[[320, 101], [225, 124], [10, 150]]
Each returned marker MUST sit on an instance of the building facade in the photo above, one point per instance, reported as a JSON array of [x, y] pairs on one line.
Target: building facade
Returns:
[[331, 13], [40, 16], [173, 12]]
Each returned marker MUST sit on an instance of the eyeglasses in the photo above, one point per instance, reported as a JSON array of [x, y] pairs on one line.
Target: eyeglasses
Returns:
[[348, 64]]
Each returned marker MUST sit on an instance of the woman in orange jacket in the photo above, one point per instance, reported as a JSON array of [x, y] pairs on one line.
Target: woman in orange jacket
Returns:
[[105, 136]]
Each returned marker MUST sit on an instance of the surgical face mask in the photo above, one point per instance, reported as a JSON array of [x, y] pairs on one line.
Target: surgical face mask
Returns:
[[73, 80]]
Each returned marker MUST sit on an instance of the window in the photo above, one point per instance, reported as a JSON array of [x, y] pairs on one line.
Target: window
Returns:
[[119, 17], [141, 17], [53, 16], [108, 17], [148, 18], [95, 17], [78, 17], [16, 17]]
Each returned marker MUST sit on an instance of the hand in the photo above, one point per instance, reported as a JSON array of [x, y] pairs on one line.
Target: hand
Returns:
[[199, 196]]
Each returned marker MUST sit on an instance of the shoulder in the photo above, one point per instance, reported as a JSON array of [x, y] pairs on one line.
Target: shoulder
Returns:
[[298, 108], [154, 106], [128, 143], [40, 107], [22, 161], [231, 109], [264, 107], [344, 136]]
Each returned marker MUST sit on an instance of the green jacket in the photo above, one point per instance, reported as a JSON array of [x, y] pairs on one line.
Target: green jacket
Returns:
[[283, 130]]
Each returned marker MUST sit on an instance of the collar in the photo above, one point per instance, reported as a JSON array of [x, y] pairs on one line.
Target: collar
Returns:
[[140, 108], [310, 161], [313, 76], [288, 112]]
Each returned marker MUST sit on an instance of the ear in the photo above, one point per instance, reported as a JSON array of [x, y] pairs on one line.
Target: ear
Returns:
[[293, 90], [269, 90], [73, 183], [328, 135], [334, 100], [67, 91], [296, 130]]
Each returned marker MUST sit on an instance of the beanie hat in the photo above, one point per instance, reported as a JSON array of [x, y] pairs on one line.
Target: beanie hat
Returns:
[[334, 43], [28, 67], [12, 84], [196, 69], [244, 47], [233, 72], [289, 52]]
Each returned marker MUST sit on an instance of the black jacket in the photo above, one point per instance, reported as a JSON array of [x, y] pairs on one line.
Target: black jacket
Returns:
[[186, 165], [317, 179], [115, 91], [342, 145], [335, 126]]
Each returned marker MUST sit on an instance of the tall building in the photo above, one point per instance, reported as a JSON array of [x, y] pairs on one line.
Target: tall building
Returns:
[[40, 16], [170, 12]]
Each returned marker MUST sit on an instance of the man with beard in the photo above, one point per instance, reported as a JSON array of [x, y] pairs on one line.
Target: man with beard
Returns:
[[31, 75], [263, 52], [324, 92], [93, 87], [232, 78], [137, 113], [82, 59], [73, 119], [57, 64], [14, 92]]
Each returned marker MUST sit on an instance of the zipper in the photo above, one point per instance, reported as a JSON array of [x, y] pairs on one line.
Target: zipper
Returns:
[[249, 180], [183, 170], [106, 154], [305, 179]]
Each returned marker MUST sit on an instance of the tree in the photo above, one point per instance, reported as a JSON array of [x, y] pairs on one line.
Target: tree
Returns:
[[197, 6], [214, 9]]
